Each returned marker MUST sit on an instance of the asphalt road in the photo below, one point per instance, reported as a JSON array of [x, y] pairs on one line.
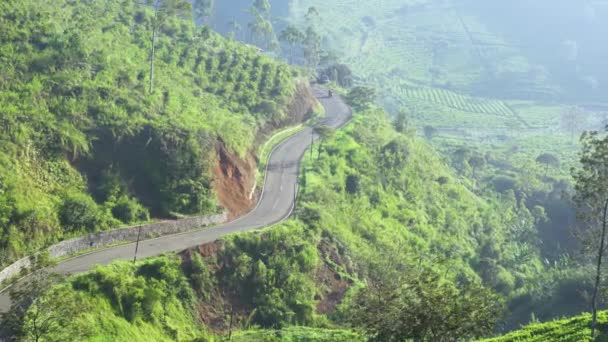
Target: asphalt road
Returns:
[[276, 202]]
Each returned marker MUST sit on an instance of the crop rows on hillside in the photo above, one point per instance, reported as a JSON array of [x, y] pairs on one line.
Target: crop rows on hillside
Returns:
[[457, 101]]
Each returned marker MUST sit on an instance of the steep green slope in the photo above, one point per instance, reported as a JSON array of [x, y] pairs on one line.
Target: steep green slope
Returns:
[[372, 199], [575, 329], [84, 147]]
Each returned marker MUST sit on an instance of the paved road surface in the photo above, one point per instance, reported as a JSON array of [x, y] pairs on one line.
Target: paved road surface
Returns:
[[275, 205]]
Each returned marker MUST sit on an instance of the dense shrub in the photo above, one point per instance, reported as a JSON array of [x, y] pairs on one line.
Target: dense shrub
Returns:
[[79, 212], [128, 210]]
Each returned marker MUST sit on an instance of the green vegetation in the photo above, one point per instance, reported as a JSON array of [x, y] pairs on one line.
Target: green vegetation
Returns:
[[114, 116], [375, 200], [86, 147], [505, 116], [452, 66], [576, 329]]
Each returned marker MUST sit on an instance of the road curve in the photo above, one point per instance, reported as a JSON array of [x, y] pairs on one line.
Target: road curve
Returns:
[[276, 202]]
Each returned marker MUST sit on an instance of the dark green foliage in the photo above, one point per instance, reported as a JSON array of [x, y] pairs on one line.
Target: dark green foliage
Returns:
[[429, 132], [128, 210], [41, 312], [339, 73], [270, 274], [394, 154], [401, 123], [79, 212], [504, 183], [548, 159], [352, 184], [419, 305]]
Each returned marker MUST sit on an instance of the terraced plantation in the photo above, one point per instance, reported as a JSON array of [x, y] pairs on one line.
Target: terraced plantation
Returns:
[[448, 67], [457, 101]]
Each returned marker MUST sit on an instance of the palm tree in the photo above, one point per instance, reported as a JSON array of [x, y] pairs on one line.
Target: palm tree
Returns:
[[163, 9]]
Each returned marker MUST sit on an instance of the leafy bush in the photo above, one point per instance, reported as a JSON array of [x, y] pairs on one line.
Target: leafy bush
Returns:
[[128, 210], [79, 212], [270, 273]]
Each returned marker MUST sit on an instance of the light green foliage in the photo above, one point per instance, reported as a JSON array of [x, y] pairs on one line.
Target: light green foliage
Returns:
[[150, 300], [576, 329], [200, 276], [76, 115], [128, 210]]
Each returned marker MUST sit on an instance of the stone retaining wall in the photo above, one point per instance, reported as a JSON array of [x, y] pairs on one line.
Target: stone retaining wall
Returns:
[[102, 239]]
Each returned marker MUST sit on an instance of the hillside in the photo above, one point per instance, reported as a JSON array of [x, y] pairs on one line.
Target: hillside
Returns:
[[372, 200], [443, 211], [84, 146], [482, 80], [575, 329]]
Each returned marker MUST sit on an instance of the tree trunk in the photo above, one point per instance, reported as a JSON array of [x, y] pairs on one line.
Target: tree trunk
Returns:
[[598, 271], [152, 59], [231, 322]]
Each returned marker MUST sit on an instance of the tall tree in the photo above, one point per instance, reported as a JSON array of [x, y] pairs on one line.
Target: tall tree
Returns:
[[312, 47], [261, 29], [401, 123], [547, 159], [163, 9], [476, 163], [262, 6], [292, 36], [591, 199]]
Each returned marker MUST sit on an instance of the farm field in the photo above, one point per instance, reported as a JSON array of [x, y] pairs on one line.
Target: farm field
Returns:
[[446, 69]]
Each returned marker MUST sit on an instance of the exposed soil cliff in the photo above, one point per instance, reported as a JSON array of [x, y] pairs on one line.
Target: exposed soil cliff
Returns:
[[234, 177]]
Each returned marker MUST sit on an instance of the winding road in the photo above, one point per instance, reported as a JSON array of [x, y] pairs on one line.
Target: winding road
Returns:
[[276, 203]]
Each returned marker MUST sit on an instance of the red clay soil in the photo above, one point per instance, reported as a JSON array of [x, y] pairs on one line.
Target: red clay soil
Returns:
[[234, 179]]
